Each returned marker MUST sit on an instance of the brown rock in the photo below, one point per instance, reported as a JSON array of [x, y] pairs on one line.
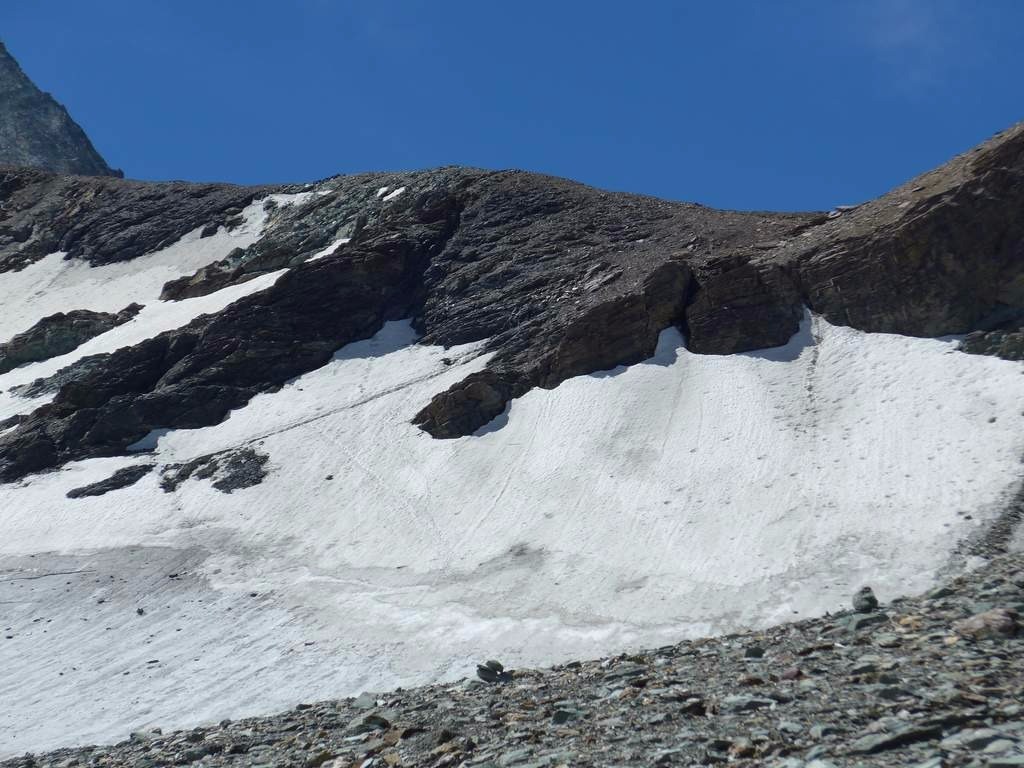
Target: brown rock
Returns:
[[996, 623]]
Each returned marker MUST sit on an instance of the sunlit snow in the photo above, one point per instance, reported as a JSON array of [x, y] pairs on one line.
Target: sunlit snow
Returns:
[[330, 249], [684, 495]]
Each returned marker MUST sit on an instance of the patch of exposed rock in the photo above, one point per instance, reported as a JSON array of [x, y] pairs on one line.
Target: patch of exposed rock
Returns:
[[1006, 344], [59, 334], [102, 220], [932, 681], [122, 478], [228, 470], [48, 384]]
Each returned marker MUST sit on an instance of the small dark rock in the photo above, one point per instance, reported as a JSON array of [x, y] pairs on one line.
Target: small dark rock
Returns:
[[864, 601], [122, 478]]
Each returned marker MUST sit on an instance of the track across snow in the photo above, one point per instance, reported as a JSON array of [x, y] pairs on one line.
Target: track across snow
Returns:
[[685, 495]]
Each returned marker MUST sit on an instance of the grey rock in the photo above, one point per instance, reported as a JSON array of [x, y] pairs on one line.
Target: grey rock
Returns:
[[900, 737], [565, 715], [36, 131], [59, 334], [515, 757], [996, 623], [887, 640], [1007, 344], [863, 667], [145, 735], [625, 670], [859, 621], [365, 701], [46, 385], [822, 731], [227, 471], [489, 675], [371, 721], [864, 601], [659, 719], [974, 738], [999, 746], [740, 703], [122, 478]]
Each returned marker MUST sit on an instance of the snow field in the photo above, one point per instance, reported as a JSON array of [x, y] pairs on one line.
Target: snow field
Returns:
[[685, 495]]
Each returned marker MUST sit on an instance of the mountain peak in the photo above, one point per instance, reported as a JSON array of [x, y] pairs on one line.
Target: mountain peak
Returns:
[[37, 131]]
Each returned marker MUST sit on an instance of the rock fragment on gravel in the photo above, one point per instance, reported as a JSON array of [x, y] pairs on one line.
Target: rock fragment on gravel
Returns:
[[864, 601]]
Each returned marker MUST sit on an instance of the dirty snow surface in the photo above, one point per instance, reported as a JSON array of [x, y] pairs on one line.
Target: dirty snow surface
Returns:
[[681, 496]]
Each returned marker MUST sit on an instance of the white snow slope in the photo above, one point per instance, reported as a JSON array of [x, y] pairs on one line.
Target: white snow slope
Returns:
[[685, 495]]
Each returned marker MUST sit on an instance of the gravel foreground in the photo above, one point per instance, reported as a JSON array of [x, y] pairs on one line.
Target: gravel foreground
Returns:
[[932, 681]]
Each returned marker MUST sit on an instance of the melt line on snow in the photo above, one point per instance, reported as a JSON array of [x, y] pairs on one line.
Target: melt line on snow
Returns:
[[355, 404], [44, 575]]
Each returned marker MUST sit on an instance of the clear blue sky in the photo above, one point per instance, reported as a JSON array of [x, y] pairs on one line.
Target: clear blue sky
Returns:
[[768, 104]]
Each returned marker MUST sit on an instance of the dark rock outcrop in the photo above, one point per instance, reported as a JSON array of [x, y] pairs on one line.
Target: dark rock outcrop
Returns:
[[228, 470], [38, 132], [207, 279], [48, 384], [59, 334], [122, 478], [11, 421], [942, 254], [193, 376], [558, 278], [1008, 345]]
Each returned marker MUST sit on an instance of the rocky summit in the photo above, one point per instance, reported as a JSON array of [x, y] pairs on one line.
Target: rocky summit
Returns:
[[37, 131]]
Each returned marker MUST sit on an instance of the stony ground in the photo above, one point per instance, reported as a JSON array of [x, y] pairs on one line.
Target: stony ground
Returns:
[[933, 681]]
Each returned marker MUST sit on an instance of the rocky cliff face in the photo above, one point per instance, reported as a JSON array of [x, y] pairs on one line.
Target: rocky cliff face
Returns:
[[559, 278], [38, 132]]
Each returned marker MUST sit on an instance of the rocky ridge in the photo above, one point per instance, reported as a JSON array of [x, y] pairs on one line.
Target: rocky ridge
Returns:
[[558, 278], [38, 132], [931, 681], [102, 220]]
